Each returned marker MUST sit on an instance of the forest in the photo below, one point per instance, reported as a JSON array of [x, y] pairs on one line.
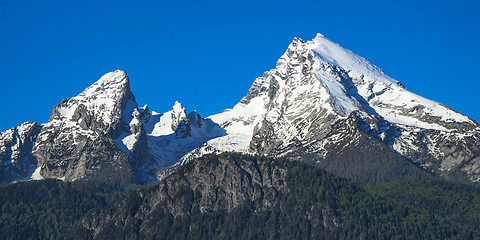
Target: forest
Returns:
[[315, 205]]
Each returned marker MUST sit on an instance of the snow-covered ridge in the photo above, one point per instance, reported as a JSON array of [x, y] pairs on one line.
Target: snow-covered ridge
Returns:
[[173, 134], [319, 97], [355, 65], [317, 84], [387, 96], [336, 76], [239, 124], [167, 123], [103, 98]]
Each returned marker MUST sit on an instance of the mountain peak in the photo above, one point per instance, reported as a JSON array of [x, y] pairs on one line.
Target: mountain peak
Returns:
[[177, 114], [108, 84], [178, 107], [334, 54], [320, 100], [115, 75], [319, 36], [104, 100], [321, 95]]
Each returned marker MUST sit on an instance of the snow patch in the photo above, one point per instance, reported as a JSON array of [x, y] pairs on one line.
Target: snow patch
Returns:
[[36, 174]]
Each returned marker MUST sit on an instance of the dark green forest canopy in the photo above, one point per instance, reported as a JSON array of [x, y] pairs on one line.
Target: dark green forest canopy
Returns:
[[46, 209], [313, 205]]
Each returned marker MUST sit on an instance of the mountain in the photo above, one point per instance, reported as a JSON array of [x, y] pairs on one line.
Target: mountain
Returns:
[[102, 135], [175, 133], [78, 140], [321, 104], [328, 106]]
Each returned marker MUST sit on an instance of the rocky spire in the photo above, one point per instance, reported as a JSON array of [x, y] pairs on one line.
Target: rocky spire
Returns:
[[79, 136]]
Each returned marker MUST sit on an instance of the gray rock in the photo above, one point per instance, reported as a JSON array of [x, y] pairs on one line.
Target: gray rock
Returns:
[[216, 183], [16, 159]]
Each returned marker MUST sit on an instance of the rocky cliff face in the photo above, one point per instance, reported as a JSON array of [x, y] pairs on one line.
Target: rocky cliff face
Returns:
[[16, 159], [78, 140], [212, 183], [252, 197]]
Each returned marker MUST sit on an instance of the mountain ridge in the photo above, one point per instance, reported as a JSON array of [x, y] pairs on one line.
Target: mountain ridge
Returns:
[[320, 104], [307, 86]]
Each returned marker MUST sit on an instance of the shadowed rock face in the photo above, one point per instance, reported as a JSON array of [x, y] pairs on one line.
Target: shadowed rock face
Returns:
[[77, 143], [214, 183], [16, 159]]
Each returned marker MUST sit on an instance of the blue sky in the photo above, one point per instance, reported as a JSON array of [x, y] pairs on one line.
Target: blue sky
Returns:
[[206, 54]]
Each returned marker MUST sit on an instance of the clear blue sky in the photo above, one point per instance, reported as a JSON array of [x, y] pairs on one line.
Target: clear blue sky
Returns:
[[206, 54]]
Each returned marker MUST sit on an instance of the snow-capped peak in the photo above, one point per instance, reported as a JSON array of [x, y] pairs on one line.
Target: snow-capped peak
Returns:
[[318, 36], [106, 96], [318, 99], [315, 85], [167, 123], [110, 81], [111, 86], [178, 107], [355, 65], [105, 100], [354, 83]]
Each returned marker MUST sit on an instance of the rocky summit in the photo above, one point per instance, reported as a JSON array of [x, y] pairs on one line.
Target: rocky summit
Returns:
[[326, 105], [102, 136], [321, 104]]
